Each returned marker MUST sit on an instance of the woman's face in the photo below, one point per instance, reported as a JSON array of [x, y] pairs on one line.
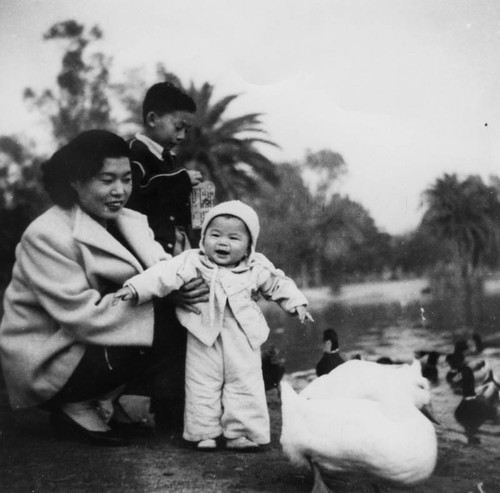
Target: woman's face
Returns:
[[104, 195]]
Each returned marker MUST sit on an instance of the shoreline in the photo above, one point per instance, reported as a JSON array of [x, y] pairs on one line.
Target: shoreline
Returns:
[[404, 291]]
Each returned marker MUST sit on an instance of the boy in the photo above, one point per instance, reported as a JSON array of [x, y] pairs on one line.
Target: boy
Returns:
[[224, 385], [161, 187], [160, 190]]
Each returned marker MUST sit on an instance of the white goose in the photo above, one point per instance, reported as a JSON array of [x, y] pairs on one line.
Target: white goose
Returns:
[[370, 380], [385, 441]]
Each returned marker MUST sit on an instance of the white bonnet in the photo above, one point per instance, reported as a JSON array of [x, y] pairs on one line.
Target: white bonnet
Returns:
[[237, 209]]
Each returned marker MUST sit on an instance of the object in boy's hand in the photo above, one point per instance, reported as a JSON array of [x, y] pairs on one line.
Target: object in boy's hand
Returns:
[[202, 199]]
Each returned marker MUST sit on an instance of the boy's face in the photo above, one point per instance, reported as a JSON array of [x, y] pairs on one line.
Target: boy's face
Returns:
[[226, 240], [169, 129]]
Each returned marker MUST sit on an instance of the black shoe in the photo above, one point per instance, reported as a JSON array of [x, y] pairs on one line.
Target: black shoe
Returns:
[[134, 427], [67, 429]]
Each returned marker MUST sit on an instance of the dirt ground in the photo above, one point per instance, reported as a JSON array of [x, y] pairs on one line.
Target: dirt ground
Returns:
[[31, 460]]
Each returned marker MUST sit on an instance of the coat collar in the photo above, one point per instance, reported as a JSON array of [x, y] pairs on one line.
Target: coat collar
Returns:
[[132, 226]]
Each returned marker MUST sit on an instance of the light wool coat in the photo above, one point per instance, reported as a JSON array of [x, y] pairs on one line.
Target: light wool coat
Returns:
[[234, 287], [60, 299]]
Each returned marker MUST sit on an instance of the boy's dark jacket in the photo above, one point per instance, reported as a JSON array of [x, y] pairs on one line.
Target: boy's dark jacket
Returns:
[[160, 190]]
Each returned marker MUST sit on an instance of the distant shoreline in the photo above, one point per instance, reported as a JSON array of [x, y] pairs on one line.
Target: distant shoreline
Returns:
[[382, 292]]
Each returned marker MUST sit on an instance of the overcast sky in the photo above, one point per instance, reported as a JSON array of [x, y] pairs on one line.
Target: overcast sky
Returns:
[[405, 90]]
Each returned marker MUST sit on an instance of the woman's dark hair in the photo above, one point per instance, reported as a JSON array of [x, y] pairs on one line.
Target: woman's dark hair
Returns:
[[79, 160]]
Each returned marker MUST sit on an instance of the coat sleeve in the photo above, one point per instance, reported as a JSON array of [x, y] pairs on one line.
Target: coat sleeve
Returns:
[[51, 263], [275, 286], [159, 280]]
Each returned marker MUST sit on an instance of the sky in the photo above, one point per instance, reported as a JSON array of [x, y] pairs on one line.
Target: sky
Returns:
[[404, 90]]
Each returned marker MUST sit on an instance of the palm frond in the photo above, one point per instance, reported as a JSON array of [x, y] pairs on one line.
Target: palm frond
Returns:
[[216, 111]]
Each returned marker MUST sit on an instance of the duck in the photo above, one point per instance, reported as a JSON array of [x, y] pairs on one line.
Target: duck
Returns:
[[369, 380], [387, 360], [488, 346], [490, 390], [457, 358], [478, 343], [480, 369], [429, 368], [356, 356], [273, 368], [383, 441], [331, 356], [477, 405]]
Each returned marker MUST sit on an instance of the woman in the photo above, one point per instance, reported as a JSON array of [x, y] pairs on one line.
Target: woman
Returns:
[[63, 344]]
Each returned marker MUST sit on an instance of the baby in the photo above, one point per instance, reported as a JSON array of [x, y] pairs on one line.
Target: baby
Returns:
[[224, 385]]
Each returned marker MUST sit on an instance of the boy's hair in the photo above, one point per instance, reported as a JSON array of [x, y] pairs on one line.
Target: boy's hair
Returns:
[[79, 160], [164, 97]]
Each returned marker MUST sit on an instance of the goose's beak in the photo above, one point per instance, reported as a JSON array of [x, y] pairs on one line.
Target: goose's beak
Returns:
[[429, 414]]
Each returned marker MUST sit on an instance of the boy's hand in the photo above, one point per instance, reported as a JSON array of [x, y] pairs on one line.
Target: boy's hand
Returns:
[[194, 291], [195, 176], [124, 294], [304, 315]]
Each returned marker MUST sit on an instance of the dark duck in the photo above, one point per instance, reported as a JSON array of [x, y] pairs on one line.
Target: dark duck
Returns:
[[273, 368], [331, 357], [477, 405], [480, 370], [429, 367], [457, 358]]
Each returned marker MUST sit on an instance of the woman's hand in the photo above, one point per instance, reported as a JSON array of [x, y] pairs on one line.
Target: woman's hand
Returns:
[[194, 291], [303, 314], [124, 294]]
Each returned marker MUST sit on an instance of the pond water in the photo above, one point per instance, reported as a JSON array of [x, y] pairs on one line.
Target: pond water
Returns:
[[392, 319], [385, 319]]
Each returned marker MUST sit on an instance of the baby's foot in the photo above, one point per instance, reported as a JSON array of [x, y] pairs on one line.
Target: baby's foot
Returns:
[[242, 443], [208, 444]]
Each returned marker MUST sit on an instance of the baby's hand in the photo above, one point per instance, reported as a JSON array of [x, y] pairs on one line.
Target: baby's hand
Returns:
[[304, 315], [124, 294]]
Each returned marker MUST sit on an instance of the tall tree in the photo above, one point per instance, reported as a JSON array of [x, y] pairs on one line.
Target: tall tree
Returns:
[[318, 236], [287, 223], [466, 216], [226, 149], [323, 170], [81, 100]]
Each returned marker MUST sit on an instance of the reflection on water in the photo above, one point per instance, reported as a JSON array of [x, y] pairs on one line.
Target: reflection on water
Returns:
[[393, 329]]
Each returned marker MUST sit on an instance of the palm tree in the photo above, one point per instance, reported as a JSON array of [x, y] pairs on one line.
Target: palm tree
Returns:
[[466, 215], [226, 149]]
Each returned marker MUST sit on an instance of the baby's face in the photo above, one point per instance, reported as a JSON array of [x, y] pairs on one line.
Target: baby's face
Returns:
[[226, 240]]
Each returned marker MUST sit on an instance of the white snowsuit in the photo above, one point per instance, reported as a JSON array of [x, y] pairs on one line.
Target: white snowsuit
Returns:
[[224, 386]]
